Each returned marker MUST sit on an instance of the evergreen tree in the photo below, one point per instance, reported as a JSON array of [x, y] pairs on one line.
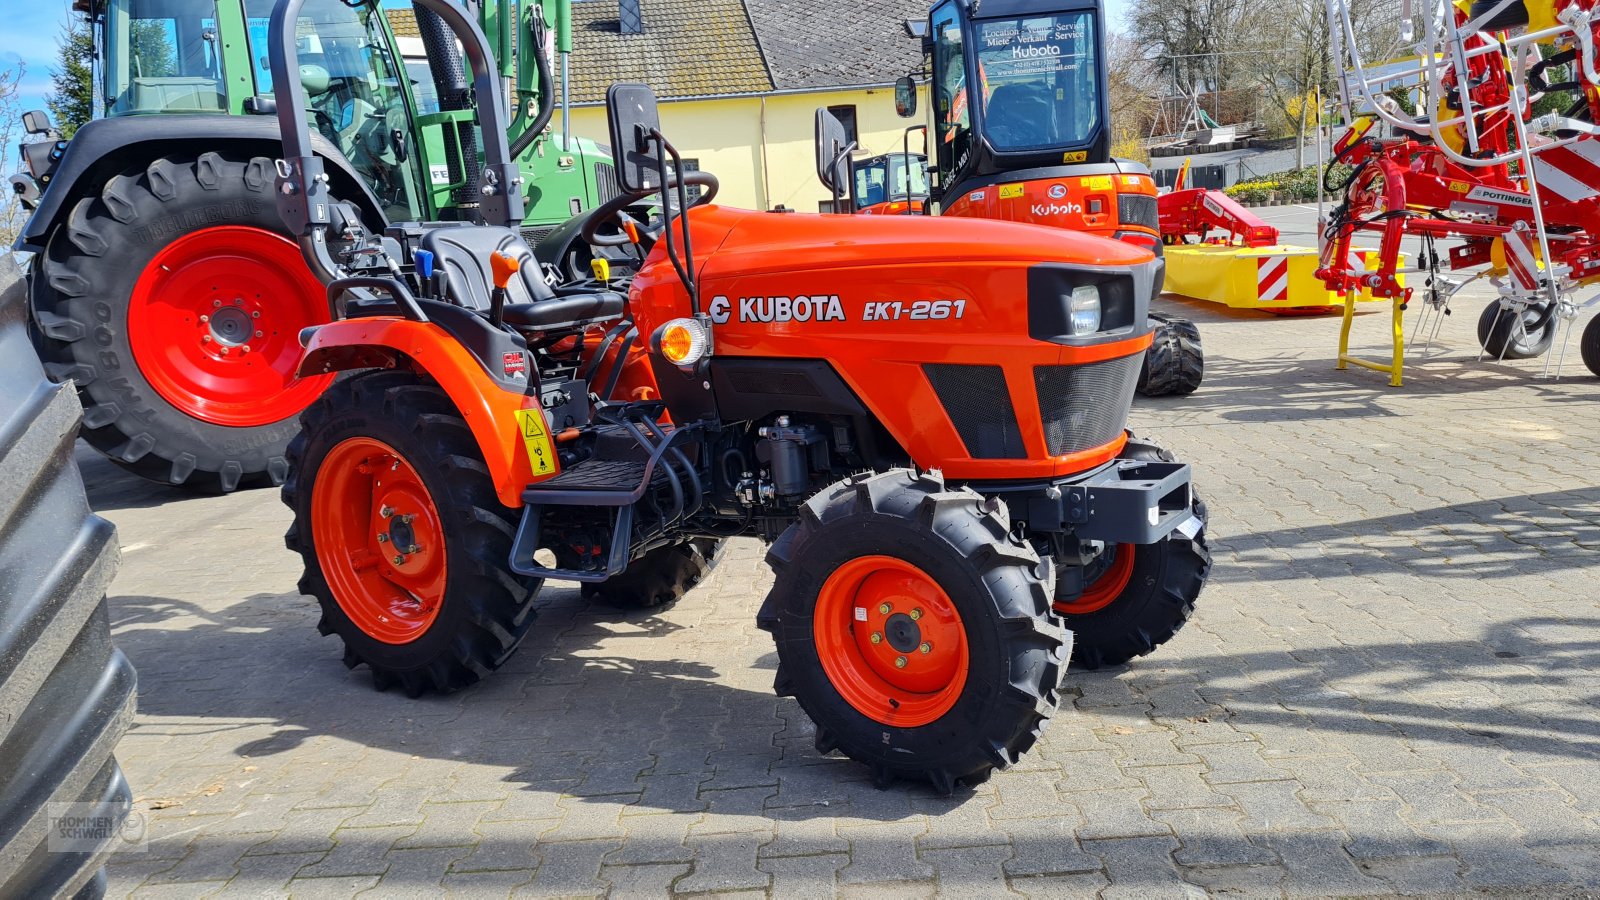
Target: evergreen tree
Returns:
[[71, 99]]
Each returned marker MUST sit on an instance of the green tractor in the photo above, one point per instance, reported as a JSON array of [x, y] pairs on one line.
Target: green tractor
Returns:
[[163, 283]]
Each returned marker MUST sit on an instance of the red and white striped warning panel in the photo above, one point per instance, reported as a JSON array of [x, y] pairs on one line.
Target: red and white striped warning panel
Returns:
[[1571, 172], [1272, 278]]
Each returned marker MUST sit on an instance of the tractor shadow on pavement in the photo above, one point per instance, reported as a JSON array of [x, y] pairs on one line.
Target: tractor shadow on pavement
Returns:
[[596, 703]]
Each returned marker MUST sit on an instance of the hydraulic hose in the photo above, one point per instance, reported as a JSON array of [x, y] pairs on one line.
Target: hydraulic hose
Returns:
[[547, 95]]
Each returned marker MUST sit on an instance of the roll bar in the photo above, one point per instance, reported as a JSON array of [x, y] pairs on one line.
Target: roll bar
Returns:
[[304, 201]]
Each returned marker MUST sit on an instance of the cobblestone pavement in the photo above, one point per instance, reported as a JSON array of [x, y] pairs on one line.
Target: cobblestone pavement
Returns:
[[1392, 684]]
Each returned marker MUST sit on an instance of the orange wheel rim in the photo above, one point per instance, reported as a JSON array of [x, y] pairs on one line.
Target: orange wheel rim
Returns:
[[379, 540], [890, 641], [1107, 588]]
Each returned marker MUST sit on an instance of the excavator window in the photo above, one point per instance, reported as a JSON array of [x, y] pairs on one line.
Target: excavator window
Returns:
[[952, 113], [1040, 80]]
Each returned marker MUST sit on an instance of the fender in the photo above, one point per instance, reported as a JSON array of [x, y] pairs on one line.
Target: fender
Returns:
[[490, 409], [105, 147]]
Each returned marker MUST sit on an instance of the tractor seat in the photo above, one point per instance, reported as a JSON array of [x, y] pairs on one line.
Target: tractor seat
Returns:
[[531, 305]]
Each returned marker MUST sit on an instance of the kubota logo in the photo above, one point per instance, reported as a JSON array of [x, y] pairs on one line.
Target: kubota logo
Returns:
[[1035, 52], [1057, 191]]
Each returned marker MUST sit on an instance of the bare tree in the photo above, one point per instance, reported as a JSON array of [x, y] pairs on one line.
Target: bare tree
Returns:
[[12, 215]]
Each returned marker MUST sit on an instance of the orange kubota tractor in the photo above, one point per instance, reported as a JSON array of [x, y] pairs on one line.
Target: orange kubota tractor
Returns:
[[942, 471], [1021, 133]]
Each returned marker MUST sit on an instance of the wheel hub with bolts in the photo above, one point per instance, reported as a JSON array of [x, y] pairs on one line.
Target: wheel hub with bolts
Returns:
[[891, 640], [379, 539], [214, 323]]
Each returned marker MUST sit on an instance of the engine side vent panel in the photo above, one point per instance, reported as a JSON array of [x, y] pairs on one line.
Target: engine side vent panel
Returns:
[[1085, 406], [978, 404], [1137, 209]]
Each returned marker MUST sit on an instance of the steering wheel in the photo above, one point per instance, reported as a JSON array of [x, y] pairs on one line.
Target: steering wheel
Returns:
[[612, 210]]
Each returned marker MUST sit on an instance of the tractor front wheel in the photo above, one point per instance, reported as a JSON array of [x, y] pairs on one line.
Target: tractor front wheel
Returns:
[[1502, 337], [174, 300], [1137, 597], [404, 542], [914, 630]]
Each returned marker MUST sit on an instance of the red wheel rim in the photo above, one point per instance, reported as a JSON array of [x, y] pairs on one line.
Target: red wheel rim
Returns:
[[890, 641], [215, 320], [1107, 588], [379, 540]]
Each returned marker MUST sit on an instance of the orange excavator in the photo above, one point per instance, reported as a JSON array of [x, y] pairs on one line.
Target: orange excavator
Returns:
[[1020, 132]]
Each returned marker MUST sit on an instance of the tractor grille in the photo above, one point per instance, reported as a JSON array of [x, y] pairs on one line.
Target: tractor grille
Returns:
[[1137, 209], [605, 182], [1085, 406], [976, 400]]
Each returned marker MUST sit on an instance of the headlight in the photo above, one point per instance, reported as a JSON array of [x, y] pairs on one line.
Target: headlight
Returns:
[[683, 342], [1084, 309]]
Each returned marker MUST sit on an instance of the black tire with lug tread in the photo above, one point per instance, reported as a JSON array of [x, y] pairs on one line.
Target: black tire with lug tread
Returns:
[[66, 693], [1589, 345], [1175, 364], [660, 578], [1501, 339], [80, 290], [1160, 595], [1001, 589], [487, 609]]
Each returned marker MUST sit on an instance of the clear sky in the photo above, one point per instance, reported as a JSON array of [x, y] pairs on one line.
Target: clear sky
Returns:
[[32, 26]]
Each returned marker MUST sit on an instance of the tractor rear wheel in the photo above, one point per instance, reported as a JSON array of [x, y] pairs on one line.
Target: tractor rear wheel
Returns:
[[1589, 346], [404, 542], [914, 630], [1175, 364], [660, 578], [1137, 597], [174, 300], [1501, 338]]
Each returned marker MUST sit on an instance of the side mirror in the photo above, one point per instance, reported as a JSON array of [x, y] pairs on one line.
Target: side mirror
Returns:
[[905, 96], [37, 121], [833, 152], [633, 117]]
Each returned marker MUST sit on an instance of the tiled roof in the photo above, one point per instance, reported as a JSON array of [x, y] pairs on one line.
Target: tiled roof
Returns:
[[832, 43], [709, 48], [689, 48], [403, 23]]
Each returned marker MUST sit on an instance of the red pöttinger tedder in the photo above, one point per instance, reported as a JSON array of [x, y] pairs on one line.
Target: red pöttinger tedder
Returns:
[[1520, 191]]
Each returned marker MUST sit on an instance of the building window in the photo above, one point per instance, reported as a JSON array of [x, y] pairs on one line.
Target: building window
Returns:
[[847, 117]]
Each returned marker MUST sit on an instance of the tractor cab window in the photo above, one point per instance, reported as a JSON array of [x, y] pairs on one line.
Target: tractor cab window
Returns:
[[355, 93], [952, 112], [162, 56], [884, 178], [1040, 80]]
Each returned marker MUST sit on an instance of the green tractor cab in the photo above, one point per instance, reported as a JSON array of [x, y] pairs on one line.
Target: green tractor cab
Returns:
[[162, 282]]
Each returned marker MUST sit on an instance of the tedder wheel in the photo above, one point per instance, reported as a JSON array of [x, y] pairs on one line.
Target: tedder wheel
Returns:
[[1589, 345], [1175, 364], [914, 630], [1137, 596], [659, 578], [174, 300], [404, 543], [1502, 339]]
